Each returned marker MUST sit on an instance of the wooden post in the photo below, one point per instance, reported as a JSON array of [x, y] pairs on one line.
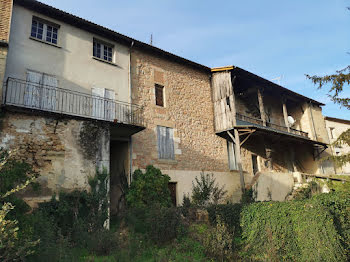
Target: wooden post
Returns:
[[237, 139], [261, 107], [285, 114], [292, 157]]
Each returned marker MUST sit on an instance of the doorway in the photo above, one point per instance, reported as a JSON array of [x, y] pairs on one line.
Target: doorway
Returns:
[[255, 164], [119, 170]]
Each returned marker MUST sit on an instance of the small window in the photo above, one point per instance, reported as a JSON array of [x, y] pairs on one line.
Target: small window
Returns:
[[159, 91], [165, 137], [232, 164], [103, 51], [44, 31]]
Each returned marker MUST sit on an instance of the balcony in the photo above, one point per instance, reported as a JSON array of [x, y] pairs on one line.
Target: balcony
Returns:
[[247, 120], [25, 94]]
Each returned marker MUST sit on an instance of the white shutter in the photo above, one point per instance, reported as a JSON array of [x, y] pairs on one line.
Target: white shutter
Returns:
[[231, 155], [33, 89], [98, 102], [109, 105], [165, 137], [50, 85]]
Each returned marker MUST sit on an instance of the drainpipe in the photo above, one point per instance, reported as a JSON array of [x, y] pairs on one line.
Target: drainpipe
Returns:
[[130, 91]]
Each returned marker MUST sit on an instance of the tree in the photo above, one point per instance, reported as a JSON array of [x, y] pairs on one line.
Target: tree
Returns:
[[337, 83]]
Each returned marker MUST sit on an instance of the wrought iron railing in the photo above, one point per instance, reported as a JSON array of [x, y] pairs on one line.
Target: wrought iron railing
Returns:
[[31, 95], [259, 122]]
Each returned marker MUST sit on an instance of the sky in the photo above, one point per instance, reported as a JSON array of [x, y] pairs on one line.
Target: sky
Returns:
[[283, 39]]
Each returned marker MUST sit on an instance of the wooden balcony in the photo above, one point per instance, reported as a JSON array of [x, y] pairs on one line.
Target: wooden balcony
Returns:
[[25, 94], [244, 120]]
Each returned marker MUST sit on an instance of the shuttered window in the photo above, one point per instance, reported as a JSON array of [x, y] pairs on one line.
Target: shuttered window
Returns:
[[231, 156], [165, 137], [159, 95]]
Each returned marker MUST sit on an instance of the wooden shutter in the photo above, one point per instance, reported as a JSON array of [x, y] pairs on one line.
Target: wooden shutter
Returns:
[[98, 102], [159, 95], [165, 137], [50, 85], [231, 156], [33, 89], [109, 105]]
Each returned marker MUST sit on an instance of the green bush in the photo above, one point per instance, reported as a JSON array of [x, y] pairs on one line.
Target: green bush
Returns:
[[230, 215], [160, 224], [307, 230], [149, 188], [206, 191]]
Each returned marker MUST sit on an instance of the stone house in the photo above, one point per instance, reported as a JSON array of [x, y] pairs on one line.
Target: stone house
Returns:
[[77, 96], [335, 127]]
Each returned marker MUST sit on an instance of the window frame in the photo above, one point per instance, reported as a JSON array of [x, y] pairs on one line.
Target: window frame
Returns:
[[45, 31], [157, 87], [104, 47]]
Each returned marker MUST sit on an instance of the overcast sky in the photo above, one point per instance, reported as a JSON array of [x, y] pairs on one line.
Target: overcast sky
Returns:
[[271, 38]]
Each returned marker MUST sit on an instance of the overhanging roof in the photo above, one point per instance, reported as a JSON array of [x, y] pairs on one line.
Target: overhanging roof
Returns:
[[246, 74], [344, 121]]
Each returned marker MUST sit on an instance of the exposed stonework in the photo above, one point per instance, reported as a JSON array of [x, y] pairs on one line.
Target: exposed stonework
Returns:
[[189, 110], [53, 147], [5, 21]]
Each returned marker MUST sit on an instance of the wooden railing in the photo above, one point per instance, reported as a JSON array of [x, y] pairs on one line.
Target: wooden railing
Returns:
[[30, 95], [259, 122]]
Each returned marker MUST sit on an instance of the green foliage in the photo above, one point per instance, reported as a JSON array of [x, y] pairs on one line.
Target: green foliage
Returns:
[[218, 242], [315, 229], [205, 191], [77, 219], [338, 81], [186, 205], [149, 188], [306, 192], [161, 224], [13, 178], [229, 214], [248, 196]]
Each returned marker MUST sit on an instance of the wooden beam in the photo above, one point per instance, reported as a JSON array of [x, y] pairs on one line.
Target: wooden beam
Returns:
[[285, 114], [245, 139], [261, 107], [238, 160]]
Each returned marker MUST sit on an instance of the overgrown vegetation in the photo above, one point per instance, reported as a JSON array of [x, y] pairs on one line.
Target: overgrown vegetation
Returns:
[[148, 188], [206, 191]]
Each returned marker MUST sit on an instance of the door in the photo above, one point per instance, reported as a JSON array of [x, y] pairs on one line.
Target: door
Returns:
[[172, 189], [255, 164]]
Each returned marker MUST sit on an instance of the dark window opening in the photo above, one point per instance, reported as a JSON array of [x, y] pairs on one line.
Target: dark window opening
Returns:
[[228, 101], [159, 91], [172, 189]]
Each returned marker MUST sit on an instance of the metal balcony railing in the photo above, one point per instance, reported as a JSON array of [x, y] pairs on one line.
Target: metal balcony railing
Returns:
[[31, 95], [271, 125]]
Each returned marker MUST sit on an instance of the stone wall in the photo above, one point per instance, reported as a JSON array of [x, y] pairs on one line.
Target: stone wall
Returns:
[[65, 152], [189, 111], [5, 21]]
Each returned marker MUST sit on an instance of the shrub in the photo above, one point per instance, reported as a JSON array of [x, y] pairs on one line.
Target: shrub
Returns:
[[206, 191], [149, 188], [186, 205], [160, 224], [296, 230], [218, 242], [229, 214]]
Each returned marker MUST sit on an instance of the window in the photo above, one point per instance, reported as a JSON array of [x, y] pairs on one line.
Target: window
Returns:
[[103, 51], [44, 31], [159, 91], [165, 137], [231, 156]]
